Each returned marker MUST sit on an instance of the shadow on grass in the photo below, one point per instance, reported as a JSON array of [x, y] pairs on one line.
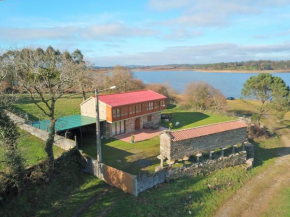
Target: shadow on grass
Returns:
[[186, 118], [246, 113], [264, 154], [20, 112]]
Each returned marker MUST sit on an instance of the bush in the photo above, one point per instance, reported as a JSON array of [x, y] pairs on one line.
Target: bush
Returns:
[[203, 96]]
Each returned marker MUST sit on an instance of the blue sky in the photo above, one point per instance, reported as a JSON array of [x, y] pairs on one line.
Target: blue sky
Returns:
[[151, 32]]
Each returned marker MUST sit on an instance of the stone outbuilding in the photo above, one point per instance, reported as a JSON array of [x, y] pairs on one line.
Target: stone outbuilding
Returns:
[[126, 112], [176, 145]]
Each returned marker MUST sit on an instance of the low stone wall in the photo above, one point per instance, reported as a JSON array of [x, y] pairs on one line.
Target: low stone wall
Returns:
[[145, 182], [208, 166], [59, 141]]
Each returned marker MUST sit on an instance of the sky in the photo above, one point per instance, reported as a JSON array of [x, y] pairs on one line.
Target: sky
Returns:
[[151, 32]]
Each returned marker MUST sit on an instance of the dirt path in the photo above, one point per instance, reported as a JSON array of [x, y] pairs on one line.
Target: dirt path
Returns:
[[254, 197]]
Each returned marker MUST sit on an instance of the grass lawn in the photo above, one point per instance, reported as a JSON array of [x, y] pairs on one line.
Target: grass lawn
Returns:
[[136, 157], [280, 205], [189, 118], [63, 196], [32, 149], [193, 196], [68, 105]]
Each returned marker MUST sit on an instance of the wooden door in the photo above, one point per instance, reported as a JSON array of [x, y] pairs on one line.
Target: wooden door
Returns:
[[137, 124]]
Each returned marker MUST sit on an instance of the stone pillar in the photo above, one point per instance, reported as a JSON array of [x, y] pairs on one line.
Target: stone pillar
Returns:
[[170, 162], [243, 146], [198, 156], [161, 158], [234, 149], [185, 158], [210, 154], [223, 152]]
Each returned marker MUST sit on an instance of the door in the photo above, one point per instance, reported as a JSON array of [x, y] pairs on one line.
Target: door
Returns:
[[137, 124]]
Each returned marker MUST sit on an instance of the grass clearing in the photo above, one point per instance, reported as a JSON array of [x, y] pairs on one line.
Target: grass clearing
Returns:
[[32, 149], [280, 205], [63, 196], [69, 104]]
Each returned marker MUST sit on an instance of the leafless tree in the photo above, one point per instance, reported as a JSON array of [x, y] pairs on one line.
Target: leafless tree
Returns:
[[203, 96], [164, 89], [125, 80], [45, 75]]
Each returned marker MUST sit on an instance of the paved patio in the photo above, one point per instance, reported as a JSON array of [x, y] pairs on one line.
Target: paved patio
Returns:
[[140, 135]]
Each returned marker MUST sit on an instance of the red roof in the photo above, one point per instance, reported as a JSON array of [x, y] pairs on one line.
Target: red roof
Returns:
[[207, 130], [121, 99]]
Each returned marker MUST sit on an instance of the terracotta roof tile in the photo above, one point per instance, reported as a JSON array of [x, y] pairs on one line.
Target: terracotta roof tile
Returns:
[[121, 99], [207, 130]]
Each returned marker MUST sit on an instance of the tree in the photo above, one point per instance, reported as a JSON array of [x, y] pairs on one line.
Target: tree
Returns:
[[13, 162], [203, 96], [124, 79], [46, 75], [164, 89], [267, 88]]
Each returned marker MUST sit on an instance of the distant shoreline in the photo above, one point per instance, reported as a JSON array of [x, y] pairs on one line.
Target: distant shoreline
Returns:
[[214, 71]]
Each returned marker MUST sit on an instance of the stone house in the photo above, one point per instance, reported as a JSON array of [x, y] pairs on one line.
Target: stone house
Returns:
[[180, 144], [126, 112]]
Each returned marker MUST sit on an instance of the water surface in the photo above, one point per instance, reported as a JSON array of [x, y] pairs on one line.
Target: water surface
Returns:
[[230, 84]]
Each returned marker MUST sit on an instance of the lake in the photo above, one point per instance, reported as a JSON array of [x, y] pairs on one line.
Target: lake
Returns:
[[230, 84]]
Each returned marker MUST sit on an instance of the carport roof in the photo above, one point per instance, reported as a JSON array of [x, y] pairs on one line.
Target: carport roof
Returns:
[[66, 122]]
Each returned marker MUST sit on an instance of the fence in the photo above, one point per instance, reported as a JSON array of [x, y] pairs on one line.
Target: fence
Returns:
[[59, 141]]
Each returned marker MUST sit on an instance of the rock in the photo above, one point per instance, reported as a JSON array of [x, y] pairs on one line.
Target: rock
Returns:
[[249, 163]]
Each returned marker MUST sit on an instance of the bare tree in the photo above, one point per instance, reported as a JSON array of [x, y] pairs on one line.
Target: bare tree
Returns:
[[45, 75], [164, 89], [125, 80], [203, 96]]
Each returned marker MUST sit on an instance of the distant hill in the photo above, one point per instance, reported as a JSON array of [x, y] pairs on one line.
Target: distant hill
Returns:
[[260, 65]]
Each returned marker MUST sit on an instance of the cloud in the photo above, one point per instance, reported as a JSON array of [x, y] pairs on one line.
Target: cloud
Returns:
[[115, 30], [211, 13], [100, 32], [220, 52]]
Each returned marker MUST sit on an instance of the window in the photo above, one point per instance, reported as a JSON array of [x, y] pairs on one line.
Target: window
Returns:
[[124, 111], [118, 127], [138, 108], [132, 110], [149, 118], [156, 104], [150, 106], [116, 113]]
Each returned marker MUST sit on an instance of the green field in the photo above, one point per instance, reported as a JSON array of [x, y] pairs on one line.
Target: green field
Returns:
[[194, 196], [32, 149], [128, 157]]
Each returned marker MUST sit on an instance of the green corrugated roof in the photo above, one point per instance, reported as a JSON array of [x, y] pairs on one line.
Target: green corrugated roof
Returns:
[[66, 122]]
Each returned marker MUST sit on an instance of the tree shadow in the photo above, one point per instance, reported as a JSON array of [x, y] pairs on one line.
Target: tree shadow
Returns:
[[246, 113], [264, 154], [185, 118]]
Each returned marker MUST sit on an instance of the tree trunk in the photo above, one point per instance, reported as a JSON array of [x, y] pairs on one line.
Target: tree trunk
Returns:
[[49, 144], [84, 95]]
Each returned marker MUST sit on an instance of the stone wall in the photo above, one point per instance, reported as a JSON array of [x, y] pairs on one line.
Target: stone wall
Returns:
[[59, 141], [208, 166], [88, 107], [156, 118], [166, 174], [130, 125], [189, 147], [145, 182]]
